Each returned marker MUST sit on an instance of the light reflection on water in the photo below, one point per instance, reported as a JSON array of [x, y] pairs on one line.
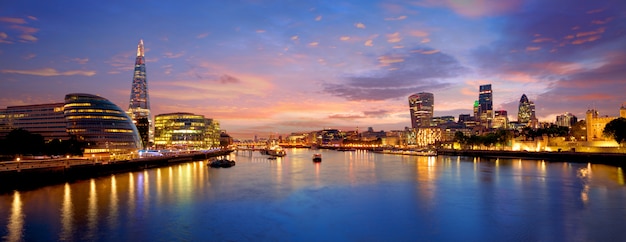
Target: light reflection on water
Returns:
[[354, 195]]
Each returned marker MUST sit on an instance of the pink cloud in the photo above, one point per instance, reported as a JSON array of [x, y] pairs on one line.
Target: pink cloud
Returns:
[[585, 40], [12, 20], [477, 8], [533, 48], [49, 72]]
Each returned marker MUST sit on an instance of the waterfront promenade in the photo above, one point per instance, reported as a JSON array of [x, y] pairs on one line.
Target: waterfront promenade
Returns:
[[26, 174], [614, 159]]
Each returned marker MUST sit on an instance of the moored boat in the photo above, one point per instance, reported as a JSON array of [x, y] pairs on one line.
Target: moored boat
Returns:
[[221, 163], [317, 157]]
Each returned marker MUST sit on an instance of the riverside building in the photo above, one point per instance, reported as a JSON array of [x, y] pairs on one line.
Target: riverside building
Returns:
[[185, 131], [104, 127], [47, 120]]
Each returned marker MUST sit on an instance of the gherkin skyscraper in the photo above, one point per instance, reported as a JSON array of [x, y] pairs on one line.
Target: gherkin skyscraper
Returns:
[[139, 107]]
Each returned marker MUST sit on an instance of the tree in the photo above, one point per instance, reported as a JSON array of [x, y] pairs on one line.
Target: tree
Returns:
[[616, 129], [579, 130], [20, 142]]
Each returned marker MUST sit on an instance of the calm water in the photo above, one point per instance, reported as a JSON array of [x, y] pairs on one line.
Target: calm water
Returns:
[[350, 196]]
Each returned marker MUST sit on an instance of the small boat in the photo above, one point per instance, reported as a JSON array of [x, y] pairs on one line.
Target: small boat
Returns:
[[222, 163], [317, 157]]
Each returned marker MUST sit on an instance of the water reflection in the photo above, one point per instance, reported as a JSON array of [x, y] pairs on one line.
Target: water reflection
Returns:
[[92, 211], [67, 214], [479, 198], [113, 207], [15, 225]]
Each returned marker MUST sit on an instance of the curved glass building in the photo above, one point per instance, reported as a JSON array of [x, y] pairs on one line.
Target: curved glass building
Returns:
[[102, 125]]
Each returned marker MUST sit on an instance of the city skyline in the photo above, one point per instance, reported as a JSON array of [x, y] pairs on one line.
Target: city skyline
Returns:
[[263, 67]]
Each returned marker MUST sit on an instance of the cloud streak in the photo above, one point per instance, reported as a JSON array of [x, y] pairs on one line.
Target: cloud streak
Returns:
[[49, 72]]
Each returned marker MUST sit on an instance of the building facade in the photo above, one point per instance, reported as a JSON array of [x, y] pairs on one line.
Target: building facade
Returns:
[[485, 102], [596, 123], [501, 120], [44, 119], [185, 131], [421, 106], [103, 126], [139, 107], [566, 120]]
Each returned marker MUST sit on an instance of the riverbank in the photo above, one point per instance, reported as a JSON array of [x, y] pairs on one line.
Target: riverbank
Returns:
[[29, 175], [614, 159]]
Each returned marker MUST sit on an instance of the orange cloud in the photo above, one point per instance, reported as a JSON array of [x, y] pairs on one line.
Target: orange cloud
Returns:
[[81, 61], [605, 21], [387, 60], [49, 72], [585, 40], [598, 31], [314, 44], [344, 38], [359, 25], [479, 8], [541, 40], [12, 20], [369, 42], [318, 18], [394, 38], [28, 37], [173, 55], [595, 11], [533, 48], [403, 17], [260, 31], [418, 33], [295, 37], [519, 77], [24, 29]]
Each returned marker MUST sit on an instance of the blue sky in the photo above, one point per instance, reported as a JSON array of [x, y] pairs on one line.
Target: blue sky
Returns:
[[261, 67]]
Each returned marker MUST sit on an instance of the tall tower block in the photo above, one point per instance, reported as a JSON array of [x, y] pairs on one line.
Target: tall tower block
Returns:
[[139, 107]]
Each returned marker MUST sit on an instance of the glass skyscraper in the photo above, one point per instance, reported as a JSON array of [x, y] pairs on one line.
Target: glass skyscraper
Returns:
[[139, 107], [524, 112], [485, 102], [185, 131], [421, 107]]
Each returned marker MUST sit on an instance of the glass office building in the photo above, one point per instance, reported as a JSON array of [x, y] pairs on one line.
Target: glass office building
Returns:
[[185, 131]]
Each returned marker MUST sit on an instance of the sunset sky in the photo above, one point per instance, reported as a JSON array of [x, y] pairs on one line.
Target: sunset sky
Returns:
[[276, 67]]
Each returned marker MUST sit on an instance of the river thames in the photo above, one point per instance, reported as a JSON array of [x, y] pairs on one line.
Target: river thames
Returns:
[[349, 196]]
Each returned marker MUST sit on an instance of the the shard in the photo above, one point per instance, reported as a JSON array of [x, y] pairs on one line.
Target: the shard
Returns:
[[139, 107]]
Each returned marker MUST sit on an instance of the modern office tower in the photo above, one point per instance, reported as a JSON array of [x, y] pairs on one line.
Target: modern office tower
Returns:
[[500, 120], [102, 125], [566, 120], [185, 131], [139, 107], [421, 107], [485, 102], [46, 120], [524, 113]]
